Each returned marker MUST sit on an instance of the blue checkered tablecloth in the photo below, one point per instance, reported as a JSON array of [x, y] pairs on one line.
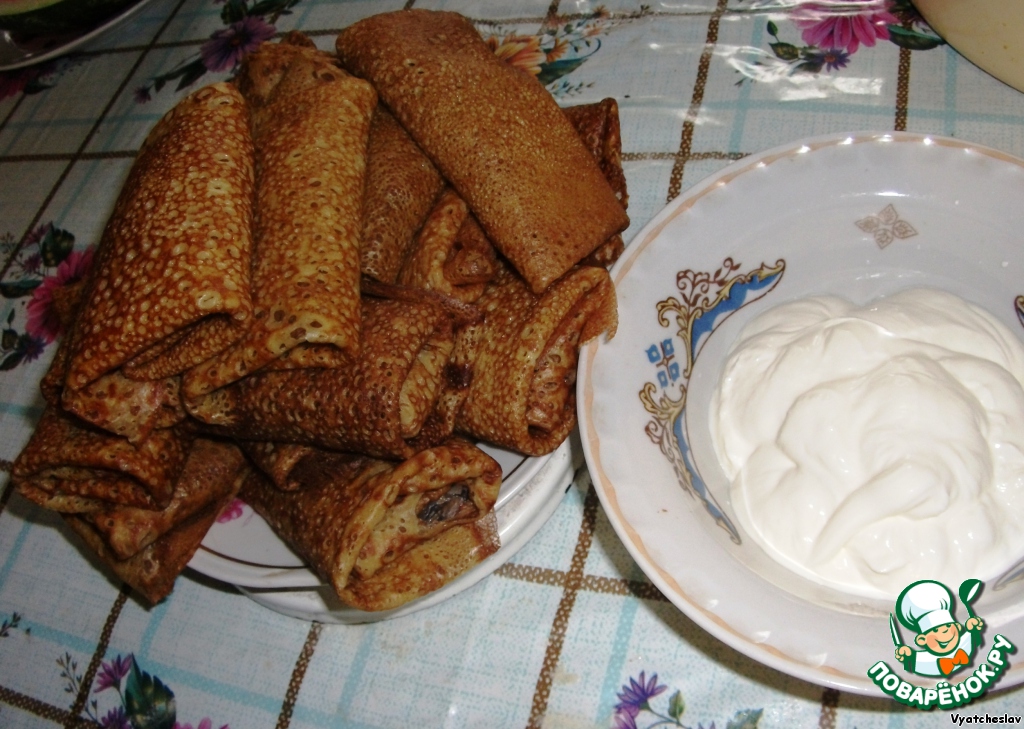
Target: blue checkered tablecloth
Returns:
[[561, 635]]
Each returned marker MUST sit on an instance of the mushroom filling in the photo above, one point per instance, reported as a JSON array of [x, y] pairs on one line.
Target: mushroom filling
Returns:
[[414, 519]]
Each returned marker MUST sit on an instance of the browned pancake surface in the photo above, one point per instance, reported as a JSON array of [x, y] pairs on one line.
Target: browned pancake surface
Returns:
[[310, 141], [171, 281], [523, 357], [494, 133], [377, 404], [69, 465], [357, 521], [208, 475], [401, 186]]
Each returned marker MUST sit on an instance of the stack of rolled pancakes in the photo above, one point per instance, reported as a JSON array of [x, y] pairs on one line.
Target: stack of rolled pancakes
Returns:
[[321, 285]]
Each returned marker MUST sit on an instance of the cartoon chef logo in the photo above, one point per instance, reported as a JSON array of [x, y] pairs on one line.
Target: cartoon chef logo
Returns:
[[943, 644]]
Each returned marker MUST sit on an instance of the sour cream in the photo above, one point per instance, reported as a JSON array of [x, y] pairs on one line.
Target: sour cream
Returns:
[[870, 447]]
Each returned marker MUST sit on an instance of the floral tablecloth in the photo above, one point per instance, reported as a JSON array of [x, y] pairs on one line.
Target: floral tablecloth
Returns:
[[568, 634]]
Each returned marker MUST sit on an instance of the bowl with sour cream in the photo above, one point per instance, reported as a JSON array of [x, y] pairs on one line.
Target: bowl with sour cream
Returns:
[[815, 398]]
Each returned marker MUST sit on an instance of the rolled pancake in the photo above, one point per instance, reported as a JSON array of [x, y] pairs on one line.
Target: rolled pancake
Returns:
[[261, 72], [523, 357], [598, 128], [170, 285], [381, 404], [133, 409], [451, 255], [382, 533], [152, 571], [208, 476], [69, 465], [495, 134], [310, 139], [278, 461], [113, 400], [401, 187]]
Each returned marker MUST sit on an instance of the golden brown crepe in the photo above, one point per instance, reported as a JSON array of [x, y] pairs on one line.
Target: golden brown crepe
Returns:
[[451, 255], [523, 357], [152, 571], [495, 134], [279, 461], [310, 138], [170, 285], [381, 404], [401, 187], [598, 127], [208, 476], [380, 533], [262, 71], [69, 465]]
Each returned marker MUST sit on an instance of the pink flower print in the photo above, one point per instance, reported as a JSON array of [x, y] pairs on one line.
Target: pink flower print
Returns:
[[231, 512], [42, 321], [204, 724], [825, 26], [14, 82], [230, 45]]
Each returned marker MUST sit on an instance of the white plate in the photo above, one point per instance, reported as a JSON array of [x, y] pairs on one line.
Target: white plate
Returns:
[[246, 553], [860, 215], [988, 33], [18, 54]]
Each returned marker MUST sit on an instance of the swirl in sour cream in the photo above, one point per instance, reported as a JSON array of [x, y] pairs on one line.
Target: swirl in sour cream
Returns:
[[869, 447]]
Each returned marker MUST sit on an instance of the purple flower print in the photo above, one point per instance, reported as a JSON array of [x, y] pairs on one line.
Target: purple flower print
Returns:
[[635, 699], [110, 674], [636, 696], [625, 720], [142, 95], [32, 348], [33, 263], [204, 724], [833, 59], [116, 718], [824, 27], [230, 45], [35, 237]]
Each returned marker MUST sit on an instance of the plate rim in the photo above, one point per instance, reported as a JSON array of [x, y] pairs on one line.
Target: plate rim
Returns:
[[31, 59], [254, 575], [707, 619], [551, 483]]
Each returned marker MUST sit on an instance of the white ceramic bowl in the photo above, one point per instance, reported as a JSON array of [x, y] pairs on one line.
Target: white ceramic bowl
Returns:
[[860, 215]]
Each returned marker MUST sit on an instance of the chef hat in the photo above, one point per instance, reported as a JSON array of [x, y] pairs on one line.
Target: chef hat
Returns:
[[925, 605]]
